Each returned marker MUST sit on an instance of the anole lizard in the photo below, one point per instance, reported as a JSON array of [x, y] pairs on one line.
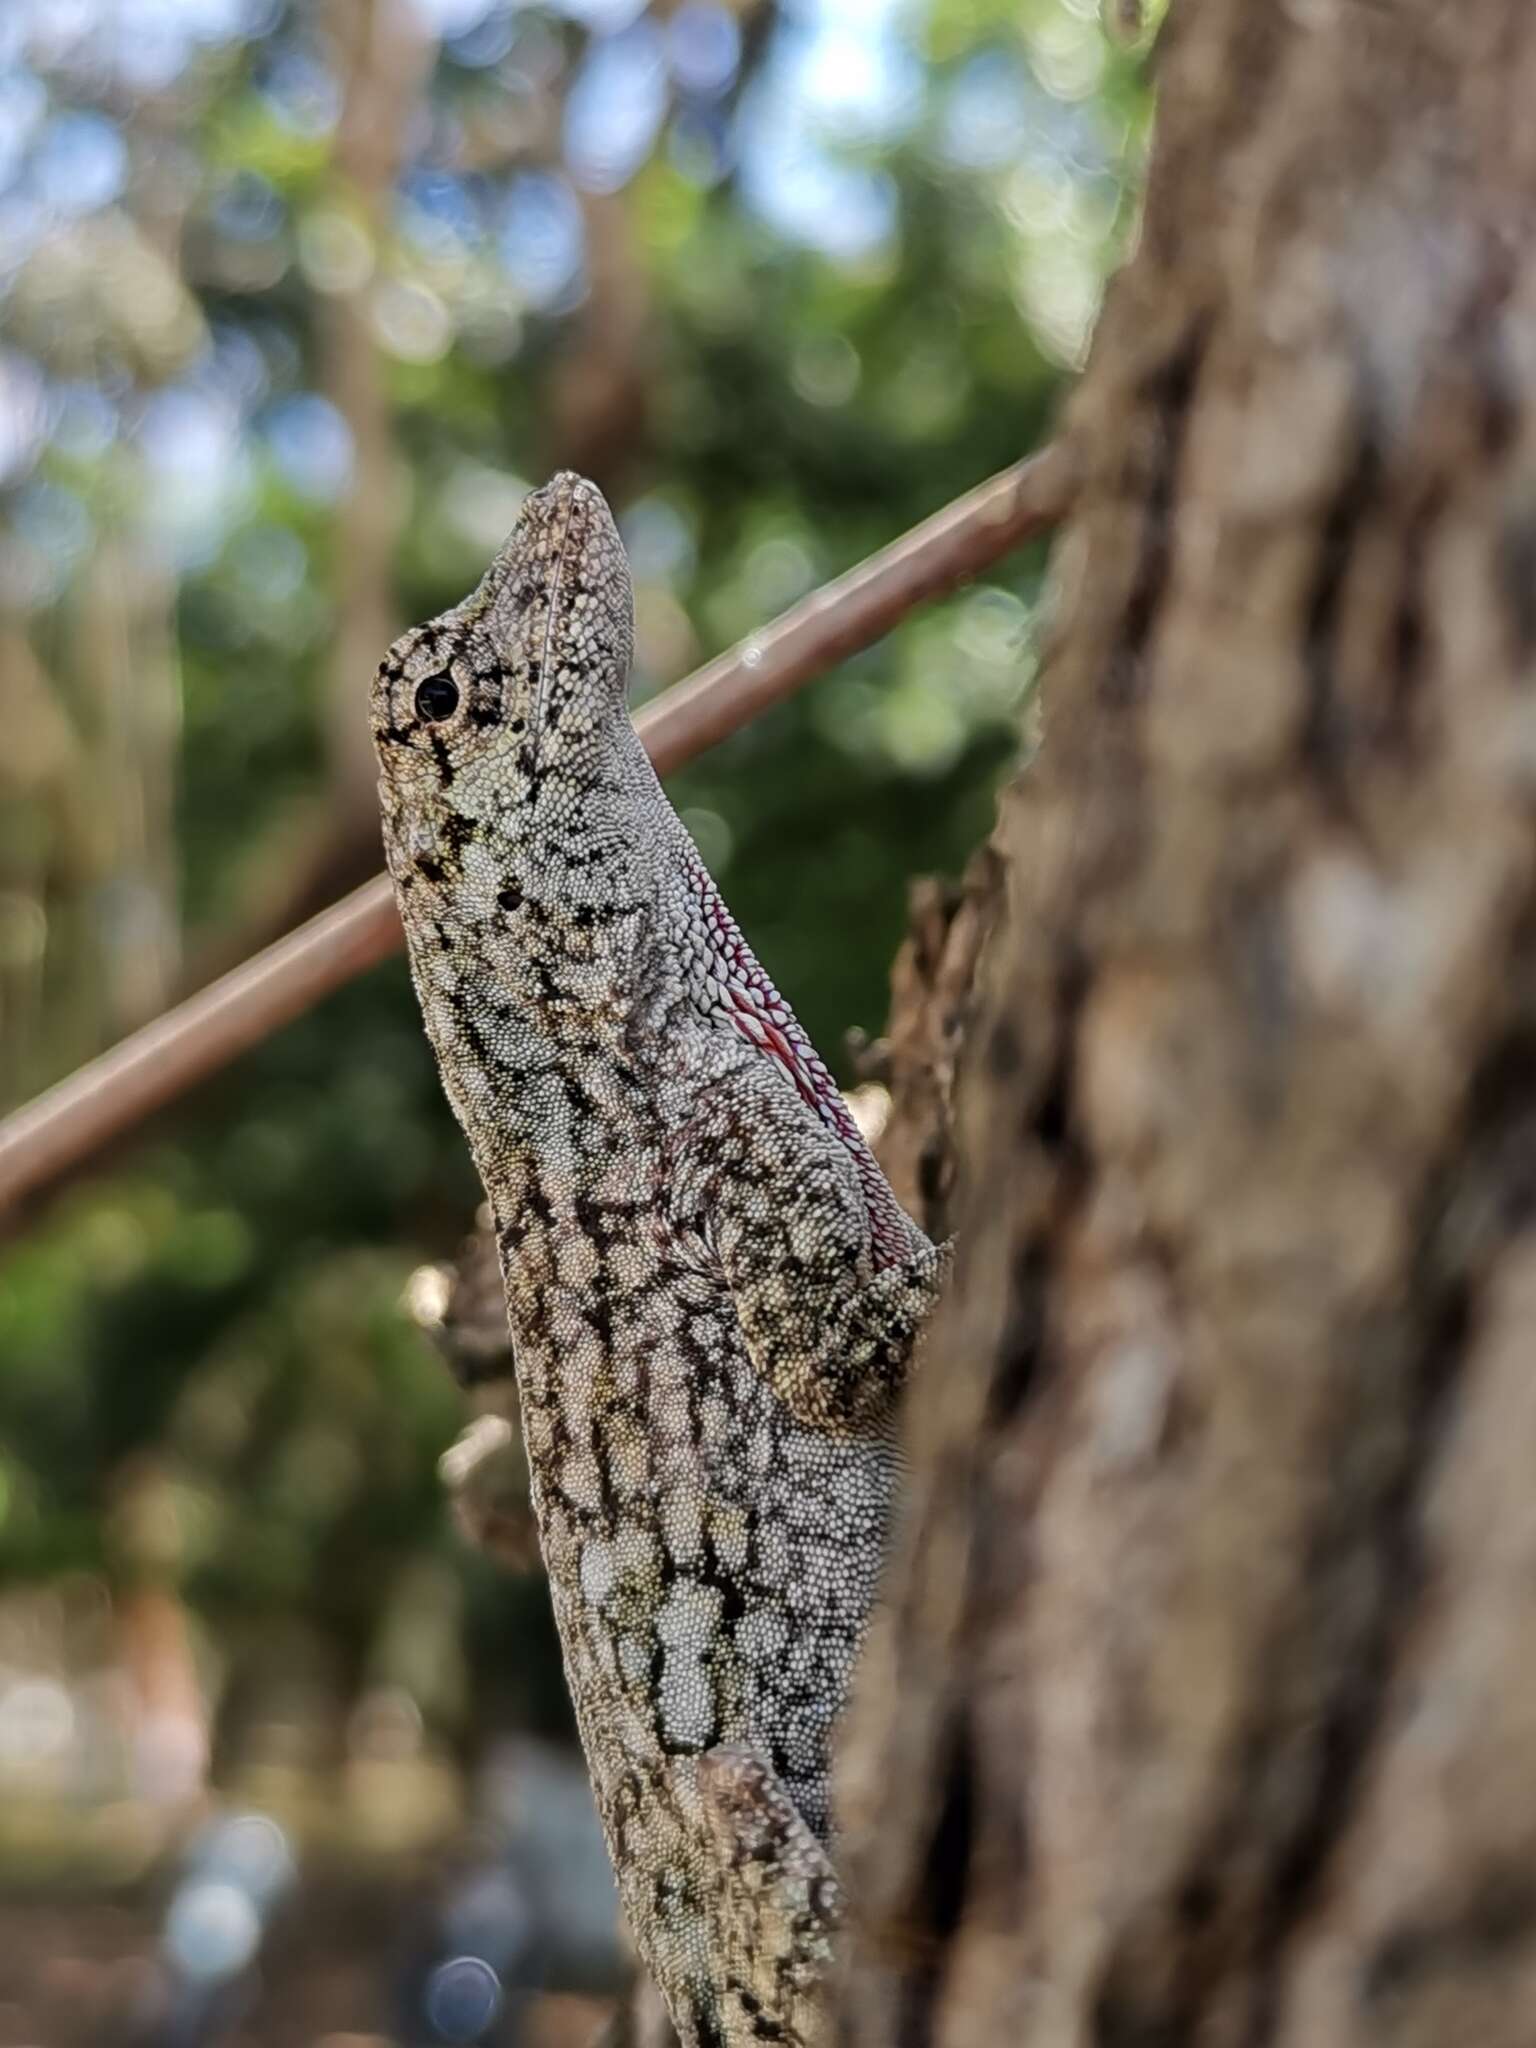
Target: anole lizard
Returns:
[[712, 1293]]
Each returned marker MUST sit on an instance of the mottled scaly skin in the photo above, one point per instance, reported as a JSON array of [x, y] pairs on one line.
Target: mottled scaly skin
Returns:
[[711, 1291]]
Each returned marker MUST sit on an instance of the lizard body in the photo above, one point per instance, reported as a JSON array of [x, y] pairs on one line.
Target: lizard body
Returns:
[[712, 1293]]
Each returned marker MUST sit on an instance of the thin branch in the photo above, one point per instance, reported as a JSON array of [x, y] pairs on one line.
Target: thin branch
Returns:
[[47, 1138]]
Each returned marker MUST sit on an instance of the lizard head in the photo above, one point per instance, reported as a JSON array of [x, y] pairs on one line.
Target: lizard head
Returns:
[[504, 743], [524, 677]]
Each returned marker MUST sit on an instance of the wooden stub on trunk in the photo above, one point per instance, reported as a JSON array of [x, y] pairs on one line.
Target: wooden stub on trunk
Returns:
[[933, 996]]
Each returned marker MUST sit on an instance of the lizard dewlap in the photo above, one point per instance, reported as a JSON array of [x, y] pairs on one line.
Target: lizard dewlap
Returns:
[[712, 1294]]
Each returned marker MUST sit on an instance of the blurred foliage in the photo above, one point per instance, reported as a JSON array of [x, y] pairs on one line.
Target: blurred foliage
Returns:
[[786, 281]]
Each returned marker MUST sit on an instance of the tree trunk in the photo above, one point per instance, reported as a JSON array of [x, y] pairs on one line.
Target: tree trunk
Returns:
[[1206, 1678]]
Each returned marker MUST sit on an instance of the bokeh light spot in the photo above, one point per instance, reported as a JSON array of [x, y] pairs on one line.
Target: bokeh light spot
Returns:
[[212, 1930], [462, 1999]]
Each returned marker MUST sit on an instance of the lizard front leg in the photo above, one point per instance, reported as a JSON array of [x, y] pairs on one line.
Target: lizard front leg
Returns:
[[774, 1943], [777, 1202]]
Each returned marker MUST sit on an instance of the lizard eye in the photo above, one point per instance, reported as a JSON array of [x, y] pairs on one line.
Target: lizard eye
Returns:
[[437, 698]]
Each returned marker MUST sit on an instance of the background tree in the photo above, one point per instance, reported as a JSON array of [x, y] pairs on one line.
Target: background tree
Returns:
[[294, 301]]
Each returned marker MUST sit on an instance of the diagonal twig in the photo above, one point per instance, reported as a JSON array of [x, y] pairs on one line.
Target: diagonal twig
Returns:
[[50, 1136]]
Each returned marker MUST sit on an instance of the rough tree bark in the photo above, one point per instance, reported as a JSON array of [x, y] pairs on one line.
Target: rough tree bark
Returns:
[[1206, 1682]]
